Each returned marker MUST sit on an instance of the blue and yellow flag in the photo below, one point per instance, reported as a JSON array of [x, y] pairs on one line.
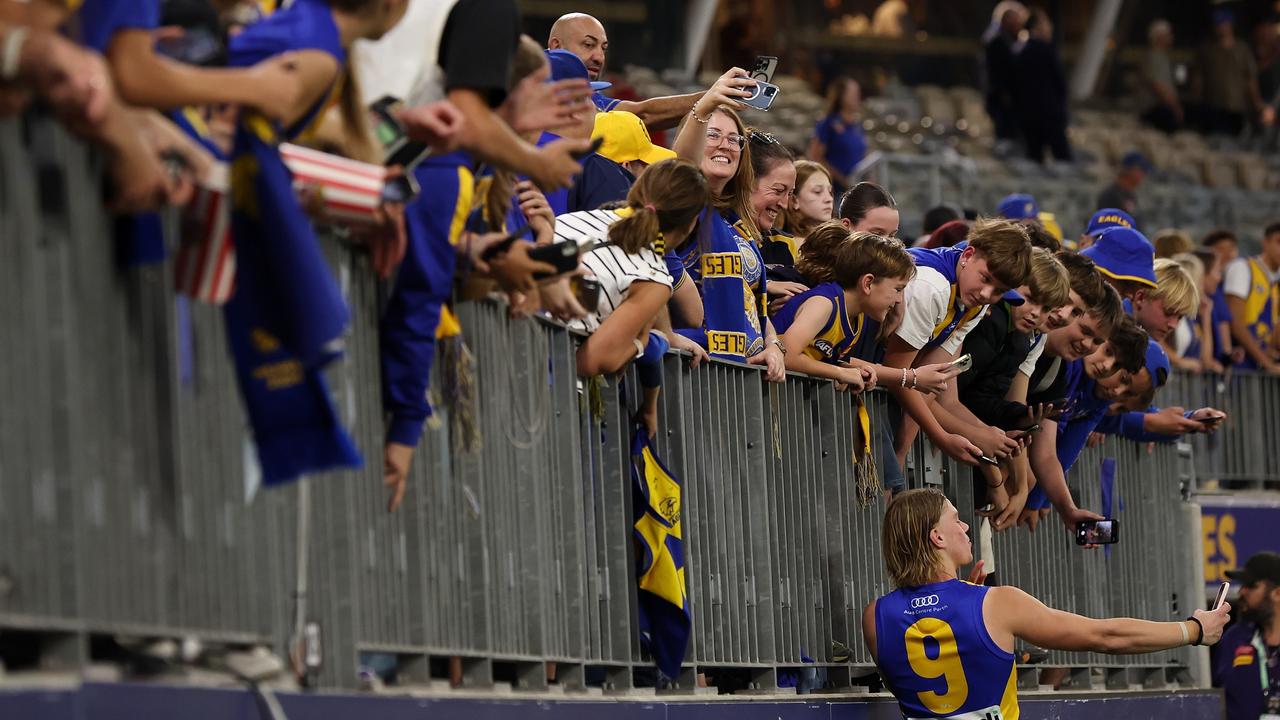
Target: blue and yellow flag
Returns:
[[286, 320], [663, 602]]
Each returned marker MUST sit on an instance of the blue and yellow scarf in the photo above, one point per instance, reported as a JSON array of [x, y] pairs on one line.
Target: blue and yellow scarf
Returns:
[[732, 316]]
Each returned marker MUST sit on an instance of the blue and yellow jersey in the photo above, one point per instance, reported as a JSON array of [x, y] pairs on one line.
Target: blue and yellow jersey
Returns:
[[304, 25], [946, 261], [937, 657], [1262, 306], [835, 341]]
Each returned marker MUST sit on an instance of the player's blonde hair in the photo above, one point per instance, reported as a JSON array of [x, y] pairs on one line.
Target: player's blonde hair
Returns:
[[909, 555]]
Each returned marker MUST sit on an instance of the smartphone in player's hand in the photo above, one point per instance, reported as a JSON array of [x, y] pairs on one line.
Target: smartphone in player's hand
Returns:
[[1222, 595], [1098, 532]]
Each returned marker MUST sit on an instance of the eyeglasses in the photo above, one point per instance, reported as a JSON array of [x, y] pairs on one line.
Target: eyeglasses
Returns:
[[762, 137], [714, 136]]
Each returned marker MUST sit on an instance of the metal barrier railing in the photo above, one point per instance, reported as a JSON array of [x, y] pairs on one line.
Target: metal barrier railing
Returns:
[[123, 468], [1240, 455]]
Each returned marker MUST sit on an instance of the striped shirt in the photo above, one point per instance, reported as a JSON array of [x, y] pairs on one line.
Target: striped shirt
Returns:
[[613, 268]]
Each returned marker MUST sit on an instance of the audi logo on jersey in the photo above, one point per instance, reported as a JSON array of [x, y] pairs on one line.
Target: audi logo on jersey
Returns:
[[924, 602]]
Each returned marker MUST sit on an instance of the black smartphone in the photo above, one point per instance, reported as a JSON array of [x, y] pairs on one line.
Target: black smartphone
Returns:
[[400, 150], [1033, 429], [594, 146], [399, 189], [1098, 532], [586, 288], [562, 255], [762, 70], [1211, 419], [503, 245]]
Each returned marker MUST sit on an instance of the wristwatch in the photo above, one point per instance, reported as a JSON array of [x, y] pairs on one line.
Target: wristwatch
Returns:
[[781, 348]]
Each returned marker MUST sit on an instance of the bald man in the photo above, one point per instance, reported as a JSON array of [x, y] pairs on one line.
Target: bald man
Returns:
[[585, 37]]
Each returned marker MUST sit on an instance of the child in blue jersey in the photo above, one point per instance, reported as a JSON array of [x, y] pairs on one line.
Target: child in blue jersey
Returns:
[[945, 647], [945, 300], [820, 327], [123, 32], [1094, 382]]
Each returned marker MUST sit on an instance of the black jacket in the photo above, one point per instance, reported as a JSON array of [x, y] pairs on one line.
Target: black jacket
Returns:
[[997, 349]]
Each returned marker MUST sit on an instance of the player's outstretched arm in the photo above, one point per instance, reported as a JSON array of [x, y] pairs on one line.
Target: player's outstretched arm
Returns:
[[1010, 612]]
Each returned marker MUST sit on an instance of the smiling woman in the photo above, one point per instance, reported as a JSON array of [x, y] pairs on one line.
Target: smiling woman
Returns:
[[736, 323]]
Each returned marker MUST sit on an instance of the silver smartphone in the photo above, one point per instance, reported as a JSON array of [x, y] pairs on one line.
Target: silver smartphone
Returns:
[[765, 94], [964, 362]]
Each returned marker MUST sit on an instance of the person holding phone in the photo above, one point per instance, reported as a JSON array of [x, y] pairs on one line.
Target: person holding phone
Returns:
[[623, 252], [585, 37], [1010, 334], [1247, 666], [944, 302], [944, 647], [723, 258], [868, 275]]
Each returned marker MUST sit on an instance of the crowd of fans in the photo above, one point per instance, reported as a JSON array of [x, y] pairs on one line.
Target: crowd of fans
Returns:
[[1004, 344]]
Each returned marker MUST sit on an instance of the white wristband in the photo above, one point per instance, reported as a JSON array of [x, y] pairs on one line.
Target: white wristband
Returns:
[[1186, 637], [12, 52]]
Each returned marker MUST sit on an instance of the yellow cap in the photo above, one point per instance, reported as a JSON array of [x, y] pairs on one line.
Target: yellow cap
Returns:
[[626, 138], [1050, 223]]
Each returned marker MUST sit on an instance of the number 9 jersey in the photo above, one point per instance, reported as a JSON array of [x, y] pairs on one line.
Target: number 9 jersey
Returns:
[[937, 658]]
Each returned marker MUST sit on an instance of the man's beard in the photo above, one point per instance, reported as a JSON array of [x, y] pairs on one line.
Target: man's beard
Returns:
[[1259, 616]]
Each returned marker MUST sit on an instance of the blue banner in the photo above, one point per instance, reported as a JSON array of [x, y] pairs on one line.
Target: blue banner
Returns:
[[1234, 528]]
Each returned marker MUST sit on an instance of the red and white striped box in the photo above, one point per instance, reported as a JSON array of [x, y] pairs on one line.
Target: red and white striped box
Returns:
[[350, 192]]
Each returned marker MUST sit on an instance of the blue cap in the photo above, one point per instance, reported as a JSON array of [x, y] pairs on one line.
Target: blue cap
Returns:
[[1223, 15], [1018, 206], [1109, 218], [1013, 297], [1123, 253], [567, 66], [1157, 364], [1135, 159]]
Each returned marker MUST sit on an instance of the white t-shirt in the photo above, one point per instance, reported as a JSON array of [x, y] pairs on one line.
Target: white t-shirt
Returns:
[[1183, 334], [1240, 276], [1028, 365], [925, 305], [612, 267]]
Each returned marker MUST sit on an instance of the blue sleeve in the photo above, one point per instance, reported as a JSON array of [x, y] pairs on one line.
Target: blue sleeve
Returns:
[[1131, 426], [100, 20], [423, 283], [1109, 425], [1072, 438], [601, 181], [676, 268], [602, 103], [305, 25]]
